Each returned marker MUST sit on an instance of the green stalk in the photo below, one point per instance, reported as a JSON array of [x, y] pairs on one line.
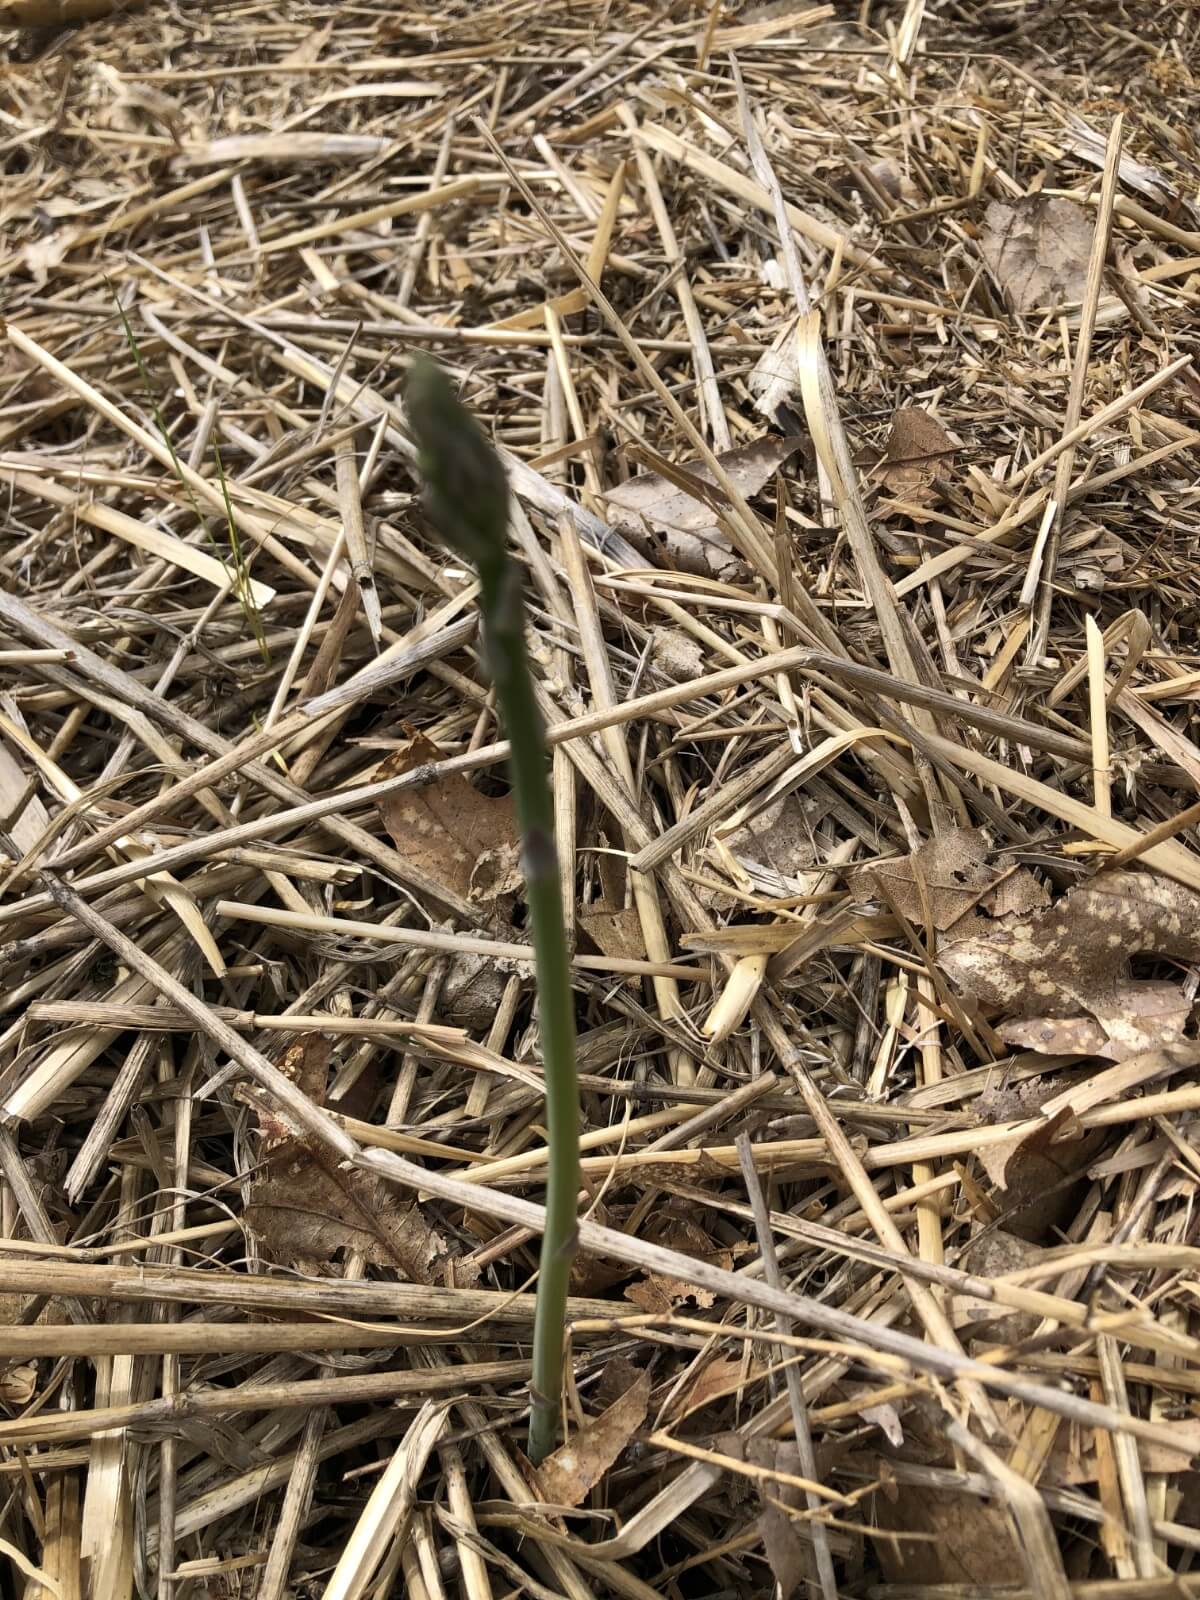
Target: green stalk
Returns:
[[467, 499]]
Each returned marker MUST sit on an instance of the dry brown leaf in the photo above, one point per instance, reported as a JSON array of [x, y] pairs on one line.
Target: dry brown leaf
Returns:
[[1037, 249], [617, 932], [660, 1294], [788, 1554], [574, 1468], [1061, 975], [948, 878], [304, 1207], [993, 1254], [465, 840], [947, 875], [724, 1375], [688, 523], [968, 1541], [778, 839], [918, 450]]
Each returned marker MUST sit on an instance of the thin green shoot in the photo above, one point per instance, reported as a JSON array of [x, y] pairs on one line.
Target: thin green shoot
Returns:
[[467, 500]]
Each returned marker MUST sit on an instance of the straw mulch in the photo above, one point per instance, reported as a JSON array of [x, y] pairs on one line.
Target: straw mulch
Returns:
[[842, 359]]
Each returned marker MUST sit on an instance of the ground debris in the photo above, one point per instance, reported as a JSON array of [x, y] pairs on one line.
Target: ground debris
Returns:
[[841, 358]]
